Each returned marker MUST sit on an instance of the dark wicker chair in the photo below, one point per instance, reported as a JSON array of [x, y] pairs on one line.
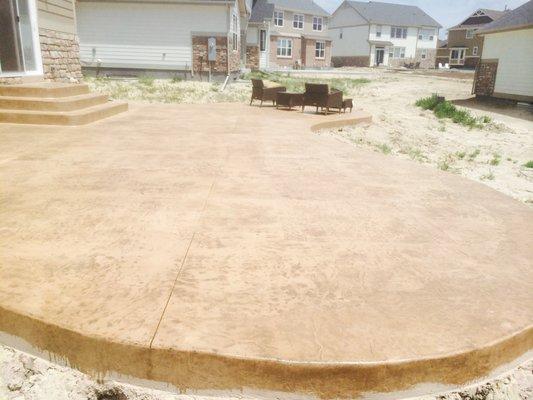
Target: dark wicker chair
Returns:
[[319, 95], [260, 92]]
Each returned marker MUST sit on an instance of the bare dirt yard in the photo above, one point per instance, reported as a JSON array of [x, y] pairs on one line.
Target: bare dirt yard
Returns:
[[495, 153]]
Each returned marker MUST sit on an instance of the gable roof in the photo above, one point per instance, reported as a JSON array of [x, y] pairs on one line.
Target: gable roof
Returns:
[[521, 17], [393, 14], [303, 6], [480, 17], [262, 10]]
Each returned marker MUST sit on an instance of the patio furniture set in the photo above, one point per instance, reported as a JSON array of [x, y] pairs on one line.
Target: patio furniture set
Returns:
[[316, 94]]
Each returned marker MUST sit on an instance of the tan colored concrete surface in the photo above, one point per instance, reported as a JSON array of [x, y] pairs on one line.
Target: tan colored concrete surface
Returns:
[[226, 246]]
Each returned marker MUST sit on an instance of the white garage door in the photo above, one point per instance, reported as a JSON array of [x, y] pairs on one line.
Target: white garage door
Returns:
[[130, 35]]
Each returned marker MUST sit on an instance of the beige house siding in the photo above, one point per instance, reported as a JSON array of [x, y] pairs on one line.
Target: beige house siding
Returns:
[[57, 15]]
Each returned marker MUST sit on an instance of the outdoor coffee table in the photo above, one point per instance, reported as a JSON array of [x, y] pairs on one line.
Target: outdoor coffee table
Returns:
[[289, 99]]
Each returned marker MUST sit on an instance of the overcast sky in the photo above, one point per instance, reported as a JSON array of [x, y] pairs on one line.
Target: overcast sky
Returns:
[[447, 12]]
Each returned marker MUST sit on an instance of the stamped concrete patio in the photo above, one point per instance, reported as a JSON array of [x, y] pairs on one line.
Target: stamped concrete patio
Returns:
[[227, 247]]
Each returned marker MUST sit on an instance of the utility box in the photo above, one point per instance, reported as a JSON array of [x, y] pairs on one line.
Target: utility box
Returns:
[[211, 49]]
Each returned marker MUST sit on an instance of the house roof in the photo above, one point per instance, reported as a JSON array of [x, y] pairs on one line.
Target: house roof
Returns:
[[442, 44], [262, 10], [303, 6], [393, 14], [521, 17], [478, 18]]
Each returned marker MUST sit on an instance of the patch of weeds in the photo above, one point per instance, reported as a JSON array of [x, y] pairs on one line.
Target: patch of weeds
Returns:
[[417, 155], [296, 83], [529, 164], [384, 148], [509, 159], [446, 109], [488, 176], [146, 80], [495, 159], [472, 156], [176, 79], [443, 165], [428, 103], [460, 154]]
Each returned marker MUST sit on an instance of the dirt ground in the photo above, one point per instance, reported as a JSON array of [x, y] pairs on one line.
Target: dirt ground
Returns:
[[494, 155]]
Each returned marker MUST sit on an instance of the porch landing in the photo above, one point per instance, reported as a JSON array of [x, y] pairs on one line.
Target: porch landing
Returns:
[[227, 247]]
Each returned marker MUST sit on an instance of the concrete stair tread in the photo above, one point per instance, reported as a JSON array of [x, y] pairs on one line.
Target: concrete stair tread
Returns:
[[64, 99], [44, 89], [73, 117]]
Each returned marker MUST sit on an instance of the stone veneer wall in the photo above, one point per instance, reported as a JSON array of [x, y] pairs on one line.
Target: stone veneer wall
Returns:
[[60, 54], [485, 77], [356, 61], [252, 57], [223, 64]]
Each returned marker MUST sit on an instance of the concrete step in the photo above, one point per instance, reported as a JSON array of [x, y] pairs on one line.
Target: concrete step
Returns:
[[76, 117], [44, 89], [69, 103]]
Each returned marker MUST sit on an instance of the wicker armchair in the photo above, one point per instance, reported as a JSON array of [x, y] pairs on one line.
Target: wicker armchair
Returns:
[[260, 92], [319, 95]]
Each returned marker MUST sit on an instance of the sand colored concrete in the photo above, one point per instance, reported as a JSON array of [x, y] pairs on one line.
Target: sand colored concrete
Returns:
[[226, 247]]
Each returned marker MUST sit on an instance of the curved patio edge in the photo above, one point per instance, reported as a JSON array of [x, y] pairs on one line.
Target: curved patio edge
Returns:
[[196, 371]]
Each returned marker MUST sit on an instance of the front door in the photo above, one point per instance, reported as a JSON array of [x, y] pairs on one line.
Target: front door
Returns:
[[17, 30], [380, 55]]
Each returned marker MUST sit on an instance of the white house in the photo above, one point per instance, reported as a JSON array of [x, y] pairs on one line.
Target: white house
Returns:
[[373, 34], [163, 36], [506, 66]]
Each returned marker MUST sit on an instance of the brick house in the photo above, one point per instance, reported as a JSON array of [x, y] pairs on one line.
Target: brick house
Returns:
[[374, 34], [464, 46], [288, 34], [38, 41], [505, 68], [161, 38]]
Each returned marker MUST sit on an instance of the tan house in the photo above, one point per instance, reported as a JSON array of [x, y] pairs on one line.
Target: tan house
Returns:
[[288, 34], [464, 46], [38, 41], [505, 70]]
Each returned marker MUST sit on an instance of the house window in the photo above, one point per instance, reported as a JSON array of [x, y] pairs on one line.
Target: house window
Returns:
[[317, 23], [423, 54], [426, 34], [397, 52], [262, 40], [278, 18], [474, 51], [378, 31], [298, 22], [284, 48], [398, 32], [234, 35], [320, 49], [470, 33]]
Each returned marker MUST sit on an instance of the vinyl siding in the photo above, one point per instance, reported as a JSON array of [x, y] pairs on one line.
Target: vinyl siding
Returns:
[[57, 15], [158, 36], [515, 61], [354, 41]]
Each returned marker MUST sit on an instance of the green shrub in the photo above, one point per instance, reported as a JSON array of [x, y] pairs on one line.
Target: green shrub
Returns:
[[177, 79], [428, 103], [446, 109], [529, 164]]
